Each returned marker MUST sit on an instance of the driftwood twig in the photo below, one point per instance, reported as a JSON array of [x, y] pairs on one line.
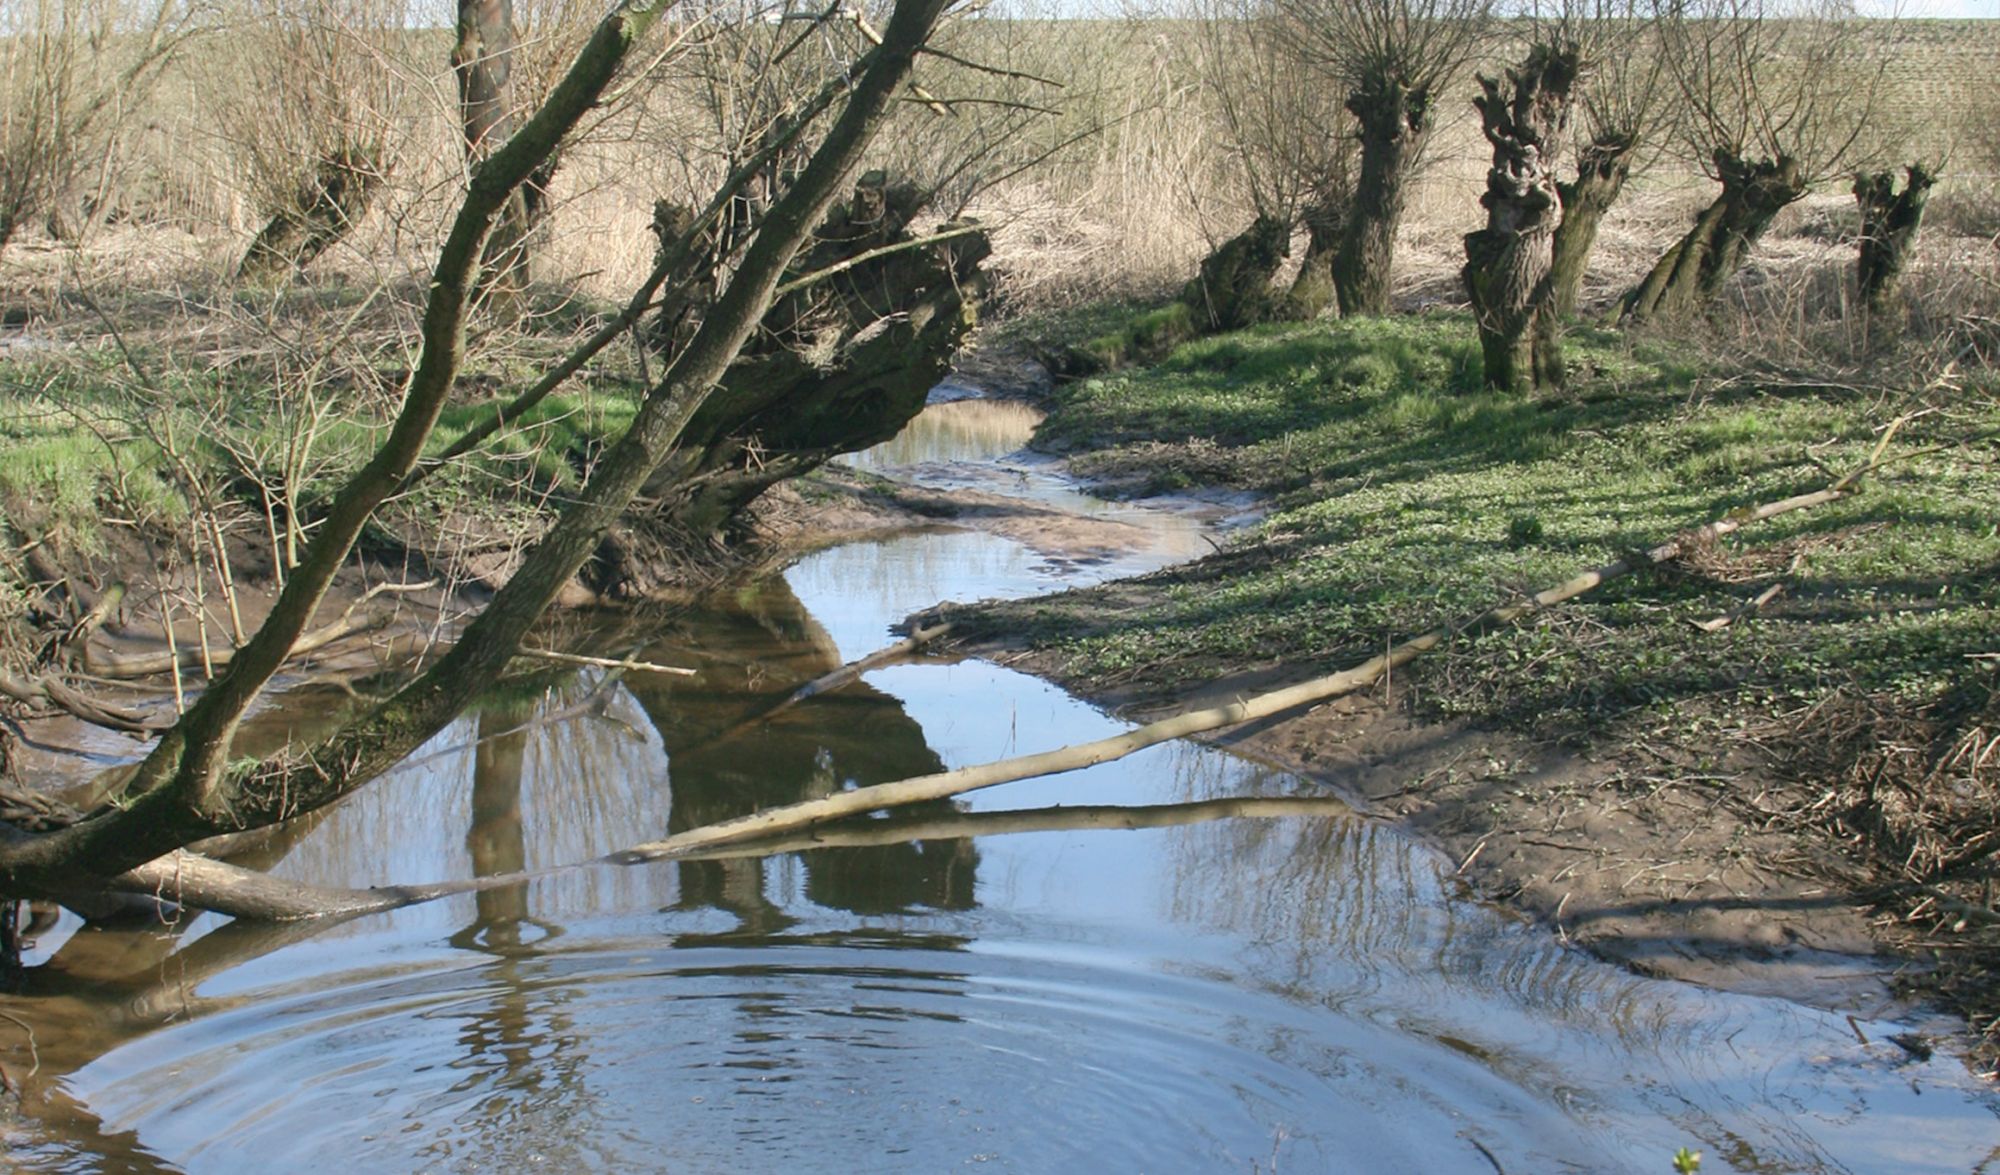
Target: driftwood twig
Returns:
[[1718, 623], [605, 662]]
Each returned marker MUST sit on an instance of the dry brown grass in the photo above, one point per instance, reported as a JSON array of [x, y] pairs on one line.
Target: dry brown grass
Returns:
[[1144, 188], [1127, 209]]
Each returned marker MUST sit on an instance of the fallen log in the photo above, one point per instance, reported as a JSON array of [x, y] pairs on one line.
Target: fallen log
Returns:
[[1070, 818], [186, 878], [48, 691], [190, 879], [147, 664], [790, 817]]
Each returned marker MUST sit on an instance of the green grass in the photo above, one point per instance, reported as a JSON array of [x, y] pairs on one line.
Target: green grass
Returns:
[[1407, 496], [78, 441], [69, 466]]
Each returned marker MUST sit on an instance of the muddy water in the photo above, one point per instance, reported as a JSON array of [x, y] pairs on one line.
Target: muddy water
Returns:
[[1182, 961]]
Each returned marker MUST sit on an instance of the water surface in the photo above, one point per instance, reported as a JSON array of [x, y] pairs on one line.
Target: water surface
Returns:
[[1255, 978]]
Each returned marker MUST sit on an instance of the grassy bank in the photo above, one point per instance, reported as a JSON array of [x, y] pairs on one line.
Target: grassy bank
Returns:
[[1856, 704], [141, 436], [1407, 496], [199, 427]]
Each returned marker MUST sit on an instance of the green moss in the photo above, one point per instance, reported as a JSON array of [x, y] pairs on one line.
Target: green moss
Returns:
[[1144, 338]]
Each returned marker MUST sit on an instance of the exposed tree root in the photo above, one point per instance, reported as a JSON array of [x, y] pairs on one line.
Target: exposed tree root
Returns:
[[148, 664], [42, 690]]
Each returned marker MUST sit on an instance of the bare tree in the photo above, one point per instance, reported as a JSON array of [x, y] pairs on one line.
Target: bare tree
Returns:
[[70, 71], [1889, 223], [1615, 128], [1525, 115], [483, 59], [310, 94], [1779, 96], [1288, 136], [190, 786], [1392, 61]]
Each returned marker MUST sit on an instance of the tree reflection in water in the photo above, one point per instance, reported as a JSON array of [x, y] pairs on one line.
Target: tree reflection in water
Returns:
[[752, 650]]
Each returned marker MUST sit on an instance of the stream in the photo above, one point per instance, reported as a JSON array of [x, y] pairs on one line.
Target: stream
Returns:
[[1181, 961]]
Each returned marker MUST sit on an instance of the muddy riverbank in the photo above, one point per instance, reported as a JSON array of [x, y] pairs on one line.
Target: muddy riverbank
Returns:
[[1183, 959], [1762, 768]]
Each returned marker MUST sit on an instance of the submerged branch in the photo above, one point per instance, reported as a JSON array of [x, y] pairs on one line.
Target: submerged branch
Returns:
[[1060, 818], [791, 817], [189, 879], [852, 671]]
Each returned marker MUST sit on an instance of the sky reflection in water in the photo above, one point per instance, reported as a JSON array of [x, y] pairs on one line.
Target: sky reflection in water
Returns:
[[1304, 991]]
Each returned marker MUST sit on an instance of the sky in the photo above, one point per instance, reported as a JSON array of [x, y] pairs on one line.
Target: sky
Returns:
[[1952, 9]]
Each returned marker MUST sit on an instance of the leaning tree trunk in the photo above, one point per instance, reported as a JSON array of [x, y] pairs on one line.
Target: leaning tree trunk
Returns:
[[328, 204], [1889, 223], [838, 366], [1394, 120], [1233, 288], [1507, 263], [483, 60], [1689, 275], [1602, 168], [1312, 290], [187, 788]]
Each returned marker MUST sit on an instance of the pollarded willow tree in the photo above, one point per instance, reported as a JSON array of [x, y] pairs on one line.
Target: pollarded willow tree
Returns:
[[1392, 61], [1777, 96], [1615, 127], [190, 786], [71, 72], [1286, 138], [1508, 264], [308, 92], [1889, 223]]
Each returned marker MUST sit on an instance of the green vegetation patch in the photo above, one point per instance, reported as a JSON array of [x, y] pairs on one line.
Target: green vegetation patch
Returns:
[[1408, 496], [82, 439]]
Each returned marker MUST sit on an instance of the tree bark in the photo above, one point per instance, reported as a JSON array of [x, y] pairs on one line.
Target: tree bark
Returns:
[[328, 204], [482, 59], [1601, 172], [1312, 290], [1394, 121], [1507, 263], [1233, 289], [1690, 274], [188, 792], [1889, 223]]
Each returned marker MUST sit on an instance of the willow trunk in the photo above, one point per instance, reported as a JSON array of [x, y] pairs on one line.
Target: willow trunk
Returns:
[[1691, 273], [1394, 120], [1507, 263]]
